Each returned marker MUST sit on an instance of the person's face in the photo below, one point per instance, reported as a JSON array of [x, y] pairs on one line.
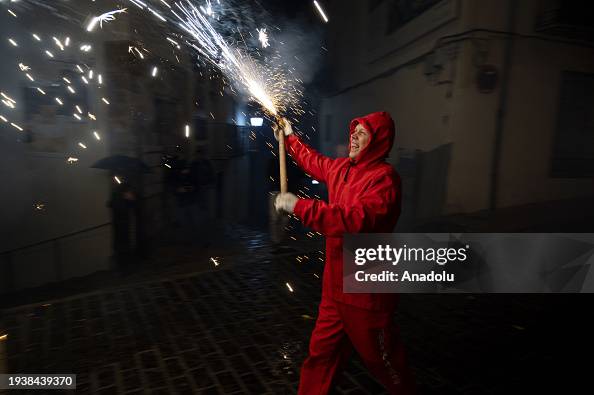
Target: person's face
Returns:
[[359, 140]]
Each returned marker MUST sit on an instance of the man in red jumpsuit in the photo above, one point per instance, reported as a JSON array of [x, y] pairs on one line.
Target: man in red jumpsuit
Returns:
[[364, 197]]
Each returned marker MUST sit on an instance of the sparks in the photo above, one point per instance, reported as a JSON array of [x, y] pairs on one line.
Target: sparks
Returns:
[[105, 100], [100, 79], [187, 128], [116, 178], [155, 13], [75, 115], [71, 89], [216, 49], [24, 67], [85, 47], [59, 101], [17, 126], [154, 72], [82, 145], [29, 76], [263, 37], [14, 43], [97, 135], [3, 118], [78, 109], [66, 80], [51, 55], [58, 43], [41, 91], [72, 159], [215, 260], [138, 4], [36, 37], [92, 116], [106, 17], [321, 11], [289, 286], [11, 12], [84, 79]]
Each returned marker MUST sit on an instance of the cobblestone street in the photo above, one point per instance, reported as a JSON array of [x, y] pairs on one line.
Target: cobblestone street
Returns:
[[238, 328]]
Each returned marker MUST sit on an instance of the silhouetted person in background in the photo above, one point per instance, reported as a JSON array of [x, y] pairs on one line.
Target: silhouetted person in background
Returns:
[[123, 205], [202, 176]]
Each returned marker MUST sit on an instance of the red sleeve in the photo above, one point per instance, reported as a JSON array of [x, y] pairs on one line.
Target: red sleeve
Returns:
[[374, 206], [308, 159]]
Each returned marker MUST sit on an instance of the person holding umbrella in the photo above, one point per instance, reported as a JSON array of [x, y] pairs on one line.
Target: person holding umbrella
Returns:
[[364, 197]]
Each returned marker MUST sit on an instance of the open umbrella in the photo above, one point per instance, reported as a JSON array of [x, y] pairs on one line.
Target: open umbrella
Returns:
[[121, 163]]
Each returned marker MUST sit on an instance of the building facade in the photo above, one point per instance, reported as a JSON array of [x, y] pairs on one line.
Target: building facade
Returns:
[[492, 99]]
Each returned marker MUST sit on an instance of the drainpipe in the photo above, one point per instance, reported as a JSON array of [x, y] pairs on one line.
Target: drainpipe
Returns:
[[502, 107]]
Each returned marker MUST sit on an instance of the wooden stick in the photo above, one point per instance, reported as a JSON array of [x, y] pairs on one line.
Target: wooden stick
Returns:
[[282, 159]]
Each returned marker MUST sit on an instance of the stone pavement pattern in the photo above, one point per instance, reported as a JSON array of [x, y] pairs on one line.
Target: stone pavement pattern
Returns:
[[239, 329]]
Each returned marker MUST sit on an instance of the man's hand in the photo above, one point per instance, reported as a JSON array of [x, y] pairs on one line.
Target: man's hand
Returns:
[[285, 202], [283, 126]]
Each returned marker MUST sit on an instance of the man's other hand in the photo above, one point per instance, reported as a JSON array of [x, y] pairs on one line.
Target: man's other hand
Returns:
[[285, 202], [283, 126]]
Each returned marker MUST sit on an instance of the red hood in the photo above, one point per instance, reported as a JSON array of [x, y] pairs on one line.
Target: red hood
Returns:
[[381, 127]]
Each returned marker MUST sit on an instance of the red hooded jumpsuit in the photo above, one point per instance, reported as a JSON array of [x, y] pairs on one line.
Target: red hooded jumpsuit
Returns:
[[364, 197]]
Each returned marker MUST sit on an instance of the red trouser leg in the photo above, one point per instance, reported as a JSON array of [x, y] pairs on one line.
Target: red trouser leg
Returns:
[[375, 337], [329, 347]]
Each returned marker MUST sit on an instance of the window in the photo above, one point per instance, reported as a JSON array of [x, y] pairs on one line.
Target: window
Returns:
[[403, 11], [573, 150]]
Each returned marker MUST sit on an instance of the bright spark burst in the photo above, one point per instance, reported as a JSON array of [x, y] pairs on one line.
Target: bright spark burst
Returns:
[[263, 37], [24, 67], [106, 17], [229, 60], [215, 260], [71, 159]]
